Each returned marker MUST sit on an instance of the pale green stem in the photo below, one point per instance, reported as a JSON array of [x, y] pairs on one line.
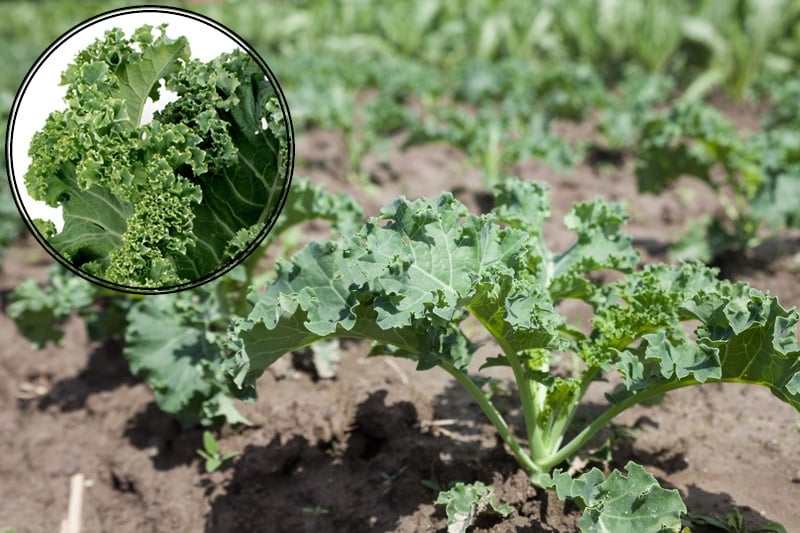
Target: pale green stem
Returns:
[[524, 384], [494, 416], [583, 437], [560, 426]]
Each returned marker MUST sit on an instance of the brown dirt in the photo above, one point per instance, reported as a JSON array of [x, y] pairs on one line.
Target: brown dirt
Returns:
[[349, 454]]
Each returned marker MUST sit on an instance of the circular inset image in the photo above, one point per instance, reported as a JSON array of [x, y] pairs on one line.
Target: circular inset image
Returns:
[[150, 149]]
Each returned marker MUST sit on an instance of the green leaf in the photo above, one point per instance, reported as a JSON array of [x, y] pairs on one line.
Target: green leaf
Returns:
[[212, 464], [518, 311], [229, 455], [777, 201], [210, 444], [620, 504], [753, 336], [580, 490], [689, 140], [109, 318], [174, 200], [744, 336], [211, 453], [94, 221], [45, 227], [171, 344], [524, 205], [599, 245], [203, 454], [490, 362], [310, 202], [623, 116], [402, 284], [464, 502], [309, 301], [140, 79], [647, 301], [37, 311]]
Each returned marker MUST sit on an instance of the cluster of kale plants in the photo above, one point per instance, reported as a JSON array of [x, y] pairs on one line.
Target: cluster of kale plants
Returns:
[[755, 179], [408, 280]]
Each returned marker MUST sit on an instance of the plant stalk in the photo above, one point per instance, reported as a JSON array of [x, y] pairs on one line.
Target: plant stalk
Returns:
[[589, 431], [494, 416], [524, 384]]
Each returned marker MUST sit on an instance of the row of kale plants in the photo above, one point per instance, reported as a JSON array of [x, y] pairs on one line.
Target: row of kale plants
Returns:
[[407, 280]]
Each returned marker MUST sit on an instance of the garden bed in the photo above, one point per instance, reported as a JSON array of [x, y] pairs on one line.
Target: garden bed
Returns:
[[351, 453]]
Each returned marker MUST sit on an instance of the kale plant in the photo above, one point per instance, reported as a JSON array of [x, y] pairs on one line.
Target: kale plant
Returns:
[[407, 281], [172, 201], [755, 179]]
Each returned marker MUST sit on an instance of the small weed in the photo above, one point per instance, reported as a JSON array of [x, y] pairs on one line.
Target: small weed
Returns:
[[317, 510], [211, 453], [429, 483]]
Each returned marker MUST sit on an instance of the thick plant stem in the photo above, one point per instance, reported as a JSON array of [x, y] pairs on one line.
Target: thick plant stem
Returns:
[[583, 437], [562, 424], [524, 384], [495, 417]]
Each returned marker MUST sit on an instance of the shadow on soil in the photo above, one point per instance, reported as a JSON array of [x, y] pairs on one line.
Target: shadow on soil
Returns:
[[106, 370], [373, 480], [718, 505], [368, 482], [155, 430]]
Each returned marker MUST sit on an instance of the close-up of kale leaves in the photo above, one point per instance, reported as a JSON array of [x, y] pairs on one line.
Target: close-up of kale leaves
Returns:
[[174, 200]]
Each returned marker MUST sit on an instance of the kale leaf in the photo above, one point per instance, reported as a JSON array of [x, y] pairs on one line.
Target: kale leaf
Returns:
[[173, 200]]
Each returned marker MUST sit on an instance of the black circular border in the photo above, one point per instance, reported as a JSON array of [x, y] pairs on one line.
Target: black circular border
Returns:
[[269, 223]]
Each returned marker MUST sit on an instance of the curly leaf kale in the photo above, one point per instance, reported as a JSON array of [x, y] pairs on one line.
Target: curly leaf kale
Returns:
[[173, 200], [408, 281]]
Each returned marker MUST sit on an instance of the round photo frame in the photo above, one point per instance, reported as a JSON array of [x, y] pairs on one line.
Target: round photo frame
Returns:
[[244, 110]]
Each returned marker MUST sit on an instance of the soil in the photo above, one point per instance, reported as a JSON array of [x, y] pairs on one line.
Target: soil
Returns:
[[350, 453]]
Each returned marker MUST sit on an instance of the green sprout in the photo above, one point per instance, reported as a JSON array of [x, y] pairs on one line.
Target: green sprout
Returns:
[[212, 454]]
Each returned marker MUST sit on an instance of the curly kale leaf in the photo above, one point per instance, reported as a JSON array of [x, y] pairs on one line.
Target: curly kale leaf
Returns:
[[744, 336], [310, 202], [158, 204], [466, 501], [175, 342], [401, 282], [598, 245], [635, 502]]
